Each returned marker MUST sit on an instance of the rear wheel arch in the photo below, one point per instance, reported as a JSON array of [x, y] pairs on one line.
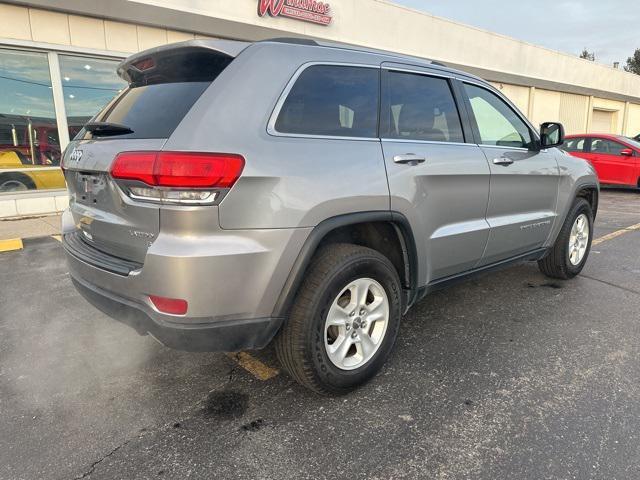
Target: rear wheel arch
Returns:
[[389, 233]]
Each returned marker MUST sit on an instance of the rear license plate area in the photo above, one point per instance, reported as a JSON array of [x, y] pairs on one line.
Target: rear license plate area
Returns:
[[89, 187]]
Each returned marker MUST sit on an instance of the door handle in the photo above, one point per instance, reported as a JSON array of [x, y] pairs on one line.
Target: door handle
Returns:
[[504, 161], [409, 158]]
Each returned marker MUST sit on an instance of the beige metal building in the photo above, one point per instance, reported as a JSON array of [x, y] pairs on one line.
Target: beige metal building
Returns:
[[58, 58]]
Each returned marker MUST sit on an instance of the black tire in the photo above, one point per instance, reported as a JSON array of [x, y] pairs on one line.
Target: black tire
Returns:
[[556, 263], [15, 182], [300, 345]]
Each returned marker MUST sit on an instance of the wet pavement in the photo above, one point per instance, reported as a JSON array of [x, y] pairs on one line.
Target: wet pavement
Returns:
[[509, 376]]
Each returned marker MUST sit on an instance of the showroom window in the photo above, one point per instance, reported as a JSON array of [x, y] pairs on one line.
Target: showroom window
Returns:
[[30, 82], [88, 85], [28, 128]]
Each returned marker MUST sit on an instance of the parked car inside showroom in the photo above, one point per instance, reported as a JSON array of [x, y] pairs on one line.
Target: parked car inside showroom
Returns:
[[615, 158]]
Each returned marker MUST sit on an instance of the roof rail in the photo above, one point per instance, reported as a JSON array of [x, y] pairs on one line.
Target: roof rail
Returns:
[[293, 40]]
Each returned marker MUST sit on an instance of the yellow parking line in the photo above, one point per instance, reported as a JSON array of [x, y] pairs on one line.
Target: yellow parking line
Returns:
[[57, 237], [254, 366], [11, 244], [616, 234]]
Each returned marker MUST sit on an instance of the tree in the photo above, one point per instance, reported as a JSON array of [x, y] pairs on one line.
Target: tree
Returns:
[[587, 55], [633, 63]]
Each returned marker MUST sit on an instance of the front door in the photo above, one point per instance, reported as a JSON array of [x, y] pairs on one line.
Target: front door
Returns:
[[436, 179], [524, 180]]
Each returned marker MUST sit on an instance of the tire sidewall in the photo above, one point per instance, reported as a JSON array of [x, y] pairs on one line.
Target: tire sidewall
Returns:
[[581, 208], [343, 380]]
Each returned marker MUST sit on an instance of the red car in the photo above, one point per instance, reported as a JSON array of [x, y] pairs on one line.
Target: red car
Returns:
[[615, 158]]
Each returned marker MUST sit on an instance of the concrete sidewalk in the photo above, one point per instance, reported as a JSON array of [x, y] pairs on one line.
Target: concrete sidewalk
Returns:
[[30, 227]]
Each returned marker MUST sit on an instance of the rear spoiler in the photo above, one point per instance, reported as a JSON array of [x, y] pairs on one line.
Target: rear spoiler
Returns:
[[192, 60]]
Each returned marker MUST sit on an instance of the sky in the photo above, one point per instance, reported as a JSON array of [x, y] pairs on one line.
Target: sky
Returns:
[[607, 27]]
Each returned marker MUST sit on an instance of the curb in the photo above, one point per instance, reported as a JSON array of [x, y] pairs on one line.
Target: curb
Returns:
[[13, 244]]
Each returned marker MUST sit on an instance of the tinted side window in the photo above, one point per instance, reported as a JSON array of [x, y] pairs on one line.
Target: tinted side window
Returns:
[[332, 100], [419, 107], [606, 147], [497, 122], [574, 145]]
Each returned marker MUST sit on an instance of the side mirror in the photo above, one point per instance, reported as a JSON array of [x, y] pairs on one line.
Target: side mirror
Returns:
[[627, 152], [551, 134]]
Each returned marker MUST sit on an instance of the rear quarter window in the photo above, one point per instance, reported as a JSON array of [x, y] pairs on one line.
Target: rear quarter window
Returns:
[[331, 100]]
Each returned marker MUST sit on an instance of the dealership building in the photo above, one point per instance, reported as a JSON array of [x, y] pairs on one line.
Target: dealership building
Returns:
[[58, 60]]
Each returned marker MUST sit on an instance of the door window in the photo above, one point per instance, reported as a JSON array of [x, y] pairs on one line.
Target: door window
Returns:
[[497, 123], [419, 107], [332, 100], [601, 146], [574, 145]]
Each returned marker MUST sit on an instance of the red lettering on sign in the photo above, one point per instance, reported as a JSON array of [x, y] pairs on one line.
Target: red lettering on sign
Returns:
[[308, 10], [274, 7]]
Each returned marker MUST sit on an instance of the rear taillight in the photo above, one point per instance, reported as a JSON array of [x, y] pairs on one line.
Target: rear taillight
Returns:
[[177, 177]]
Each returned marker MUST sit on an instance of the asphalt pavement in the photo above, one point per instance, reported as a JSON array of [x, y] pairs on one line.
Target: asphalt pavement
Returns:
[[509, 376]]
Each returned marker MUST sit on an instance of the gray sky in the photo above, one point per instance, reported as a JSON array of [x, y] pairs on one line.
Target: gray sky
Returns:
[[608, 27]]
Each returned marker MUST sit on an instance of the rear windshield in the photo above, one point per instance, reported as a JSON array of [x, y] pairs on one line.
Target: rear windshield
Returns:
[[151, 111]]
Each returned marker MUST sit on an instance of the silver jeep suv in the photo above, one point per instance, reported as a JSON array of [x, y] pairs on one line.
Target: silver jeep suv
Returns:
[[236, 193]]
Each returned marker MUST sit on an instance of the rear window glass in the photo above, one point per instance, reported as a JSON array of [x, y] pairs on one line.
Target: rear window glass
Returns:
[[332, 100], [151, 111]]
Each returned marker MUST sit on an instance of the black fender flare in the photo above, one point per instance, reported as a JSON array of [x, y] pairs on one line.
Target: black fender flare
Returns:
[[319, 232]]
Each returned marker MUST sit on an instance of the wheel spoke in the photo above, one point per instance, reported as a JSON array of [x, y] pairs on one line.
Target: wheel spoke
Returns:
[[365, 345], [337, 316], [361, 292], [338, 351]]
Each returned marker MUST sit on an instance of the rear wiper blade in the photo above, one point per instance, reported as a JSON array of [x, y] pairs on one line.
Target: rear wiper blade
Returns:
[[105, 129]]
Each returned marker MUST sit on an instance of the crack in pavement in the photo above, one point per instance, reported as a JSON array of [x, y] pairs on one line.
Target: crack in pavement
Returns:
[[146, 430], [98, 462], [630, 290]]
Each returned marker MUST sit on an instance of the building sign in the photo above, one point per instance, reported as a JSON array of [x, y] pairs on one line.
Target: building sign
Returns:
[[306, 10]]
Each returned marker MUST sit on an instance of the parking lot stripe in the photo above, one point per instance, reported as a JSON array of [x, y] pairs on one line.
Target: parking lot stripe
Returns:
[[616, 234], [254, 366], [11, 244]]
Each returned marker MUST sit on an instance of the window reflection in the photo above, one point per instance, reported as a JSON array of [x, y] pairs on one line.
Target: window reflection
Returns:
[[88, 85], [28, 130]]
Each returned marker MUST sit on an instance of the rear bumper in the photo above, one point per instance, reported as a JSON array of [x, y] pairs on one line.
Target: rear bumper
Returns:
[[225, 336], [231, 281]]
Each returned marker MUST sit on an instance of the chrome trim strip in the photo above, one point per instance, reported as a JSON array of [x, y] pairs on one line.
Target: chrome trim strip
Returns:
[[500, 147], [426, 142], [419, 72], [271, 125]]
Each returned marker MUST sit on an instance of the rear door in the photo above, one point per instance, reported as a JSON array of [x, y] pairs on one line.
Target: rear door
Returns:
[[524, 180], [163, 87], [436, 179], [611, 166]]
